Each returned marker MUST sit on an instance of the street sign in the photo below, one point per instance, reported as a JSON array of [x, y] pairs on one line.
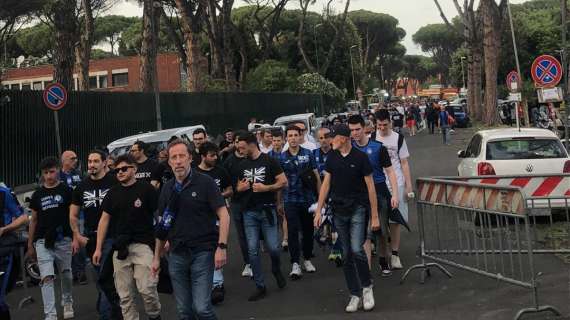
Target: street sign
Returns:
[[513, 81], [515, 96], [546, 71], [546, 95], [55, 96]]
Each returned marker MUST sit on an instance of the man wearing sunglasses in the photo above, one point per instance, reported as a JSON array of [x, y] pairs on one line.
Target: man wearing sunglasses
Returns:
[[131, 204]]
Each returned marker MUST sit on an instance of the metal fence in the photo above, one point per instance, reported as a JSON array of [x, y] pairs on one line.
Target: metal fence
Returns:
[[27, 130], [493, 229]]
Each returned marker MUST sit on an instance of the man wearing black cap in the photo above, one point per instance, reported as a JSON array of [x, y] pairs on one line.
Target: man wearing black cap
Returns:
[[348, 177]]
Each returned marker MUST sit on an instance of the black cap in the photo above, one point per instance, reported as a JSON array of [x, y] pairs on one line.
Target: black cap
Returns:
[[340, 130]]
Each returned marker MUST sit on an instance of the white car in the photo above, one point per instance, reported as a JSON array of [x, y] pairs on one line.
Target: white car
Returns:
[[510, 152]]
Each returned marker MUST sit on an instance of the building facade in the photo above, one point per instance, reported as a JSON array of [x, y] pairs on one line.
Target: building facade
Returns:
[[116, 74]]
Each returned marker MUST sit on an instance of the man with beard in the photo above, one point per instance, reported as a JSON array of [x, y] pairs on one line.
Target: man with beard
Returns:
[[145, 165], [209, 152], [88, 197], [199, 137]]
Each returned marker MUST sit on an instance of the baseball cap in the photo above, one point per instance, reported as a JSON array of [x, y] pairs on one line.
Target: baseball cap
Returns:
[[340, 130]]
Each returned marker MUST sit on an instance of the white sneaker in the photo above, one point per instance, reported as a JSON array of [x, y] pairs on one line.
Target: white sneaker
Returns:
[[309, 267], [368, 298], [247, 271], [395, 262], [354, 304], [296, 272], [68, 311]]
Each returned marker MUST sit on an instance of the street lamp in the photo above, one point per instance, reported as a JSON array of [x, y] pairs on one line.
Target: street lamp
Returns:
[[462, 71], [318, 65], [352, 68]]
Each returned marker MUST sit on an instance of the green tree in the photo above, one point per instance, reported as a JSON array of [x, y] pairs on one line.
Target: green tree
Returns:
[[36, 41], [108, 29], [441, 42], [315, 83], [272, 76]]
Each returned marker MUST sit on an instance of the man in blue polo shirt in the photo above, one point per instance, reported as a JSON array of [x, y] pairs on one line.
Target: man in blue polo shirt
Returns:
[[299, 166], [12, 218], [380, 161]]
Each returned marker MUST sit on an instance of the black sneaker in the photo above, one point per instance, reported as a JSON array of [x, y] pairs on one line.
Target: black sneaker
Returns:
[[281, 282], [258, 294], [81, 278], [385, 270], [218, 294]]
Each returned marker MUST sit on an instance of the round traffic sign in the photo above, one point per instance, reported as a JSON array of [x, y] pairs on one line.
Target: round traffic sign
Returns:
[[55, 96], [513, 78], [546, 71]]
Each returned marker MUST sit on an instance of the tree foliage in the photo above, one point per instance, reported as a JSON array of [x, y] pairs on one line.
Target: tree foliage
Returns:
[[271, 76]]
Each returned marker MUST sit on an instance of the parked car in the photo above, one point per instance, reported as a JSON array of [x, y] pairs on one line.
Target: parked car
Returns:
[[513, 152], [460, 114], [157, 140]]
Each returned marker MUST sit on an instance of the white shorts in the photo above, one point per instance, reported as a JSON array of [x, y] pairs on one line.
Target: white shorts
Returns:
[[403, 206]]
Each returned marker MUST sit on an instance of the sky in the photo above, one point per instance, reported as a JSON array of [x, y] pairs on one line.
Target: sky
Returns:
[[412, 14]]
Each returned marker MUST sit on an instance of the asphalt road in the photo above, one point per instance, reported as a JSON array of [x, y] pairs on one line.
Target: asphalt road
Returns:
[[323, 295]]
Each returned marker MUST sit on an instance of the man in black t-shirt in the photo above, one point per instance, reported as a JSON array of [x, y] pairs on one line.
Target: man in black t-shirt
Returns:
[[232, 165], [209, 153], [145, 165], [88, 197], [50, 237], [260, 179], [131, 205], [348, 177], [199, 137]]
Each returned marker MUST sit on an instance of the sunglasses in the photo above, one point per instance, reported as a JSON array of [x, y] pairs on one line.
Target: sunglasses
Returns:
[[123, 169]]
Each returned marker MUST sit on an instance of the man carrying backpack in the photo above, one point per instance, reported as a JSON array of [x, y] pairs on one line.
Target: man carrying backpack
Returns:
[[398, 151]]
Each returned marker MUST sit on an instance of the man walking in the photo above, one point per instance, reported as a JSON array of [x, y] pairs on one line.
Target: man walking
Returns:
[[232, 166], [50, 238], [199, 137], [145, 165], [190, 204], [299, 166], [275, 153], [380, 161], [266, 143], [398, 151], [209, 152], [348, 177], [12, 217], [131, 205], [260, 179], [71, 176], [88, 197], [323, 151]]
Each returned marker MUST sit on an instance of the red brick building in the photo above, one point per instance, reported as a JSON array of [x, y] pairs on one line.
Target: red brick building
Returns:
[[110, 74]]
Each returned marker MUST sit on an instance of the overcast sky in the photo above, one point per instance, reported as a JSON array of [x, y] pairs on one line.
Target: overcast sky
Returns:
[[412, 14]]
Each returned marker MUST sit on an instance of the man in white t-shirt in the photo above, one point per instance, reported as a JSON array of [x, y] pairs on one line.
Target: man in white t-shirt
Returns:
[[398, 151], [266, 143]]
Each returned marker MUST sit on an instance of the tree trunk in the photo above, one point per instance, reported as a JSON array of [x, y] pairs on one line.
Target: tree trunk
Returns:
[[339, 32], [83, 50], [229, 72], [178, 43], [476, 82], [65, 31], [492, 15], [214, 39], [306, 59], [190, 20], [151, 19]]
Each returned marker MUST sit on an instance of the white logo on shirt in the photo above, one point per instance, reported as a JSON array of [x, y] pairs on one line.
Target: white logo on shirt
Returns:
[[255, 174], [138, 203], [94, 198], [194, 194]]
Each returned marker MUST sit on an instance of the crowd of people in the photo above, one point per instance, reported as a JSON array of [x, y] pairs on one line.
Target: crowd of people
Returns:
[[161, 225]]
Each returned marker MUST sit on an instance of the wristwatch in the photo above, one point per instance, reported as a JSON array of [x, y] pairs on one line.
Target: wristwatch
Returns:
[[222, 246]]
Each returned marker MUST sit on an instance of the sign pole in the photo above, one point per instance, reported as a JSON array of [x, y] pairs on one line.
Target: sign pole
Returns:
[[57, 135], [564, 11], [518, 65]]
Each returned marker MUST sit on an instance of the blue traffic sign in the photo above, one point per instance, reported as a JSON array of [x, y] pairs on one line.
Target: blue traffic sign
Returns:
[[55, 96], [546, 71]]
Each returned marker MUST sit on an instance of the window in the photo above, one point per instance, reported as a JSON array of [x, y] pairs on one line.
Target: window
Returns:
[[37, 85], [47, 83], [6, 87], [26, 86], [103, 82], [15, 86], [120, 79], [93, 82], [525, 148], [474, 147]]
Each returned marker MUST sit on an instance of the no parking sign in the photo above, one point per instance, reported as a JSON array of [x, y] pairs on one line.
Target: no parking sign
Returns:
[[546, 71], [55, 96]]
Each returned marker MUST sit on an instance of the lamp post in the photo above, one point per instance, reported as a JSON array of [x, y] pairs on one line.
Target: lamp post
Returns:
[[462, 71], [318, 66], [352, 69]]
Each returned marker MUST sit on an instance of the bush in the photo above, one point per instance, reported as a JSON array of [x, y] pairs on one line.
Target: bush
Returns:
[[271, 76]]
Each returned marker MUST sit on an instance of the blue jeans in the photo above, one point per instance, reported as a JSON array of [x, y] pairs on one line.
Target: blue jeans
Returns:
[[299, 220], [6, 266], [218, 277], [237, 215], [352, 231], [256, 221], [445, 132], [191, 275], [61, 255], [103, 304]]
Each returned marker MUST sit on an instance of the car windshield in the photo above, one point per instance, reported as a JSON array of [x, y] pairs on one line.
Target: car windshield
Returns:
[[154, 149], [524, 149]]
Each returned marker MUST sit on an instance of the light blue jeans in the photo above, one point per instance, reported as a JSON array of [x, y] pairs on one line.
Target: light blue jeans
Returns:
[[218, 277], [61, 255]]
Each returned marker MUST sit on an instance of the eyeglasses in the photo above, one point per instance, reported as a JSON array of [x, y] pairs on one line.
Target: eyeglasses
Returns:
[[123, 169]]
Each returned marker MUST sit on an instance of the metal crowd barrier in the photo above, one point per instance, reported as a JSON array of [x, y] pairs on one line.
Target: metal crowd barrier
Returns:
[[494, 227]]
